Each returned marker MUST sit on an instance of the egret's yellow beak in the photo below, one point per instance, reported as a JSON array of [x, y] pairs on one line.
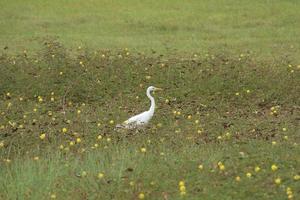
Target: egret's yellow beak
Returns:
[[158, 89]]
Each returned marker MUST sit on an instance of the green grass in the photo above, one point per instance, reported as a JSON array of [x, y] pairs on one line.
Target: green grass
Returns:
[[238, 130], [268, 28], [230, 72]]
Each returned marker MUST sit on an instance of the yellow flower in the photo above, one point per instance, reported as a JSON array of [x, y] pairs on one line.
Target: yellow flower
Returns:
[[42, 136], [182, 188], [181, 183], [274, 142], [222, 167], [249, 175], [297, 177], [289, 191], [197, 121], [78, 140], [108, 139], [183, 193], [286, 137], [131, 183], [189, 117], [100, 175], [277, 181], [248, 91], [8, 94], [99, 137], [64, 130], [52, 99], [36, 158], [237, 93], [72, 143], [284, 129], [53, 196], [274, 167], [83, 173], [111, 122], [60, 73], [238, 179], [141, 196], [167, 101], [143, 150], [200, 167], [78, 111], [61, 146], [257, 169]]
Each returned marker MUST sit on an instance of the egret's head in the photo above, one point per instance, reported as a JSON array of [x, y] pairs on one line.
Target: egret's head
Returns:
[[152, 88]]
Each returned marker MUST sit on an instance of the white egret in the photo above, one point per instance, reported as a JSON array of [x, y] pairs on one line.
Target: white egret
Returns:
[[144, 117]]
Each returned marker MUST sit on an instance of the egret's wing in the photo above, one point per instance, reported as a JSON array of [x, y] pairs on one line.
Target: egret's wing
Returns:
[[135, 119]]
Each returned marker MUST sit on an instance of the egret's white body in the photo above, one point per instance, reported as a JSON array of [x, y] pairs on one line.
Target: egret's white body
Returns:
[[144, 117]]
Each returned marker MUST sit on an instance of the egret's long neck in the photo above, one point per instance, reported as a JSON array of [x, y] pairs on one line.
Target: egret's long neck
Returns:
[[152, 107]]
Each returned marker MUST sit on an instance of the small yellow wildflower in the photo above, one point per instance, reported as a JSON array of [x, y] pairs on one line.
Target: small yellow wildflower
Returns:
[[237, 93], [72, 143], [42, 136], [83, 173], [64, 130], [78, 111], [36, 158], [284, 129], [274, 167], [222, 167], [257, 169], [167, 101], [108, 139], [297, 177], [143, 150], [182, 188], [111, 122], [189, 117], [238, 179], [200, 167], [248, 91], [100, 175], [53, 196], [78, 140], [1, 144], [181, 183], [197, 121], [141, 196], [249, 175], [277, 181], [274, 142]]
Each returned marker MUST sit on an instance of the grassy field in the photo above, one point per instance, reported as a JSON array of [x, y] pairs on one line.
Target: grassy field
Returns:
[[226, 125], [268, 28]]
